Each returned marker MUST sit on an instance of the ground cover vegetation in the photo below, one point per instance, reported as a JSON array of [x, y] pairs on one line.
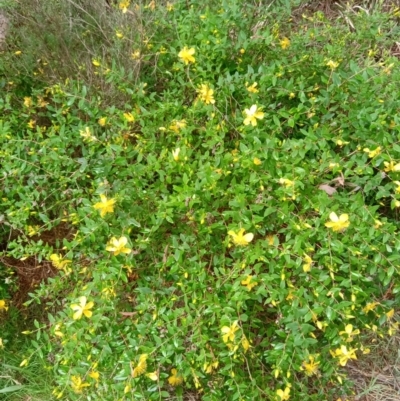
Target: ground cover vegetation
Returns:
[[199, 200]]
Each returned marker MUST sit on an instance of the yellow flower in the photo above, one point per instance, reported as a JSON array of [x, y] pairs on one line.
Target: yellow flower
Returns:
[[177, 125], [24, 363], [284, 395], [119, 34], [86, 134], [239, 238], [175, 379], [228, 333], [152, 376], [175, 154], [285, 43], [141, 366], [370, 306], [245, 344], [308, 263], [129, 117], [247, 283], [310, 367], [332, 64], [3, 306], [31, 124], [286, 182], [257, 161], [390, 314], [102, 121], [338, 223], [94, 375], [344, 354], [1, 343], [27, 101], [96, 63], [373, 153], [18, 52], [58, 262], [186, 55], [82, 308], [123, 5], [117, 246], [391, 166], [105, 205], [349, 332], [135, 55], [206, 94], [252, 88], [77, 384], [252, 115]]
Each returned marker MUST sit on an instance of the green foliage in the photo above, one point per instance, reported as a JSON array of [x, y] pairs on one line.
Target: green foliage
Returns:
[[272, 314]]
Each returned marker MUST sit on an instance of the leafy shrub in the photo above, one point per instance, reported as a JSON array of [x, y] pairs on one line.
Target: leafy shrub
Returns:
[[231, 223]]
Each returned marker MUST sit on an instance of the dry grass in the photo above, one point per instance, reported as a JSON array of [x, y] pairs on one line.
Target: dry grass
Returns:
[[376, 376]]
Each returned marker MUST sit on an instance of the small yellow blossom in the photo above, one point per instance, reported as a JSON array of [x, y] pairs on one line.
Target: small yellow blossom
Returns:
[[18, 52], [249, 283], [245, 344], [257, 161], [175, 379], [240, 239], [31, 124], [87, 135], [228, 333], [141, 366], [177, 125], [24, 363], [123, 5], [119, 34], [206, 94], [391, 166], [370, 306], [390, 314], [175, 154], [170, 6], [94, 375], [96, 63], [283, 395], [338, 223], [284, 43], [105, 205], [252, 88], [308, 263], [373, 153], [310, 367], [135, 55], [152, 376], [27, 101], [344, 354], [332, 64], [77, 384], [102, 121], [117, 246], [349, 332], [252, 115], [286, 182], [292, 95], [83, 308], [57, 330], [3, 305], [186, 55], [58, 261], [129, 117], [1, 344]]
